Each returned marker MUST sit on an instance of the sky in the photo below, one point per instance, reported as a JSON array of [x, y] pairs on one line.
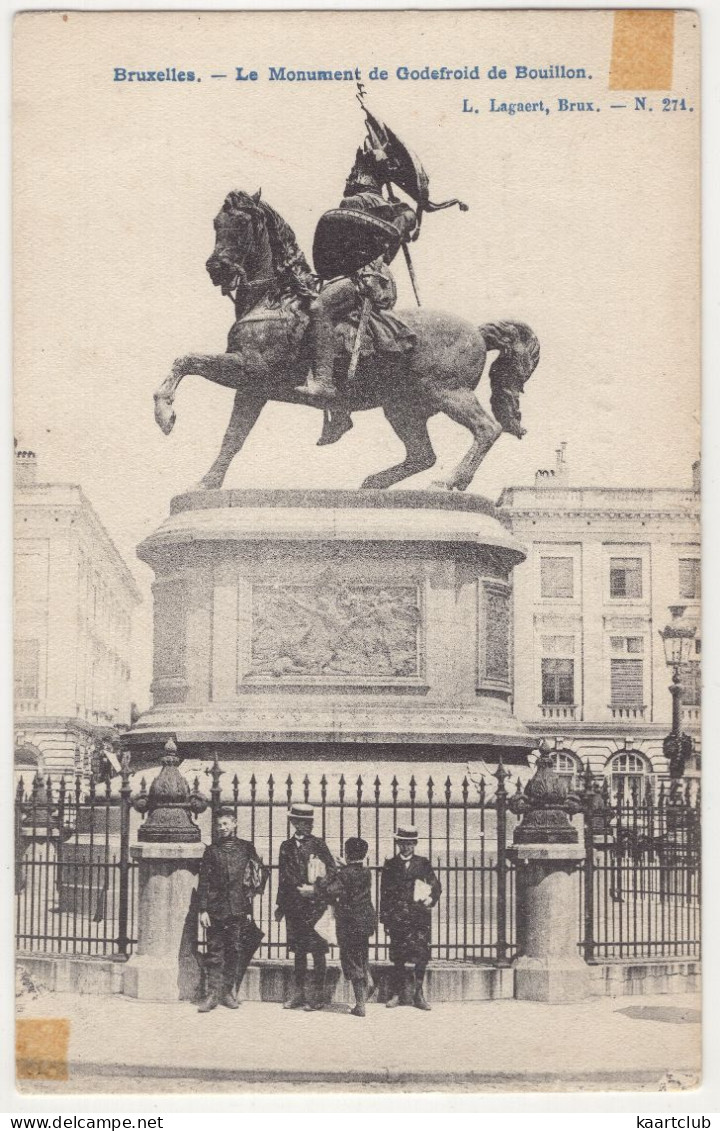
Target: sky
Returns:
[[584, 225]]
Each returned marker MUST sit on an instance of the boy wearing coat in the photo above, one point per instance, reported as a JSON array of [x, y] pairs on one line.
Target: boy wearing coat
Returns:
[[231, 875], [349, 890], [302, 907], [409, 890]]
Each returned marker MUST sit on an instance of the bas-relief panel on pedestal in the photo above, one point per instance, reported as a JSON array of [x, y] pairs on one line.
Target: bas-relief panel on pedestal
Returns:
[[337, 630], [494, 656]]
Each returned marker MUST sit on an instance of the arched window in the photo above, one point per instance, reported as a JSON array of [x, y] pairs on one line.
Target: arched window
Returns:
[[28, 762], [628, 773], [567, 766]]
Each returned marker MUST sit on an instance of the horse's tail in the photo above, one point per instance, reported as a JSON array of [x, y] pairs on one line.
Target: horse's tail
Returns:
[[517, 360]]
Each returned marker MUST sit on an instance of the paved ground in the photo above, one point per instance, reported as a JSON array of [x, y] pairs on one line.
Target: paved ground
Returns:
[[627, 1044]]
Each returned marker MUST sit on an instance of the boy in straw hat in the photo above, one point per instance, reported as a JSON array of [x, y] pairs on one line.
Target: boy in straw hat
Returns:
[[349, 891], [409, 889], [302, 856]]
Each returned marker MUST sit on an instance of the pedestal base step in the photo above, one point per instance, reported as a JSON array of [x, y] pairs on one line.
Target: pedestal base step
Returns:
[[270, 979]]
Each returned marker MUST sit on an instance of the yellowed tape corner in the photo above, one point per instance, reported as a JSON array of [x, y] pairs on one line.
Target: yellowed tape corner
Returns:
[[642, 50], [41, 1048]]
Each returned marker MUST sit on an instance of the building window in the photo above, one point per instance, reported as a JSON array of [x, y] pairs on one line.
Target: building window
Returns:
[[626, 683], [626, 577], [690, 684], [633, 645], [628, 772], [690, 579], [558, 682], [556, 577], [566, 766], [27, 669]]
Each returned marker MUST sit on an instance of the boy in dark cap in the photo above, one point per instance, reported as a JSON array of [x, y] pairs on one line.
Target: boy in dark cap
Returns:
[[349, 890], [409, 889], [231, 875], [297, 902]]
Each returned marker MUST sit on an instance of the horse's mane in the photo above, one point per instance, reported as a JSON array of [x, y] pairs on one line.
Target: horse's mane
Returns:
[[286, 253]]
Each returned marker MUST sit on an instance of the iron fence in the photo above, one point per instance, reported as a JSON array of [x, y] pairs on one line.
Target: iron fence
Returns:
[[74, 880], [641, 879], [77, 893]]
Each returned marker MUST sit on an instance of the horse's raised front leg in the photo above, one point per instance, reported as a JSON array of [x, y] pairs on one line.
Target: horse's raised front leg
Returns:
[[410, 424], [222, 369], [462, 406], [246, 410]]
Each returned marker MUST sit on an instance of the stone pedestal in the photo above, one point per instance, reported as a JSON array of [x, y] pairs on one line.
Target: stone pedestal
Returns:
[[548, 967], [332, 624], [164, 966]]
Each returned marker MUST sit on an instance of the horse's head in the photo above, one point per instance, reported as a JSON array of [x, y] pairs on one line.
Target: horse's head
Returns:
[[238, 227]]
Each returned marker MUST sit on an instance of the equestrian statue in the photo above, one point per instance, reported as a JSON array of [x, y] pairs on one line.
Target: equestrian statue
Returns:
[[330, 338]]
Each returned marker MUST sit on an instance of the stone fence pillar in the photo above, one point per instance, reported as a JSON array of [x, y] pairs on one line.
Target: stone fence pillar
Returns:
[[547, 856], [164, 966]]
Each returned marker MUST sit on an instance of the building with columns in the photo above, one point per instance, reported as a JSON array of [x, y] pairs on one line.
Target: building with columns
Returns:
[[74, 601], [605, 566]]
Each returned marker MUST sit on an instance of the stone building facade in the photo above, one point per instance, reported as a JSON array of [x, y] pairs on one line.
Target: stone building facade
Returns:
[[604, 567], [73, 603]]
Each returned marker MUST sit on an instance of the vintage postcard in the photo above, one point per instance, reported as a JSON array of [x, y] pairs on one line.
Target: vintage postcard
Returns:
[[357, 554]]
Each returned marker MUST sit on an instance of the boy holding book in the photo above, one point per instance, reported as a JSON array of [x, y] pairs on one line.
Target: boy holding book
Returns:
[[409, 890]]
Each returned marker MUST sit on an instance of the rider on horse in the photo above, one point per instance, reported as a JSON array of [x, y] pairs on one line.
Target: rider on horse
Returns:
[[343, 296], [353, 247]]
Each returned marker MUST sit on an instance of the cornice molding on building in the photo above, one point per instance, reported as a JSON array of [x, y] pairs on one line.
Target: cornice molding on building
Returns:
[[79, 502], [603, 732], [65, 724]]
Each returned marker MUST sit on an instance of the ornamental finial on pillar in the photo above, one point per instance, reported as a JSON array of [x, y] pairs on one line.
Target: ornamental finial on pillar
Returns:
[[169, 804], [545, 804]]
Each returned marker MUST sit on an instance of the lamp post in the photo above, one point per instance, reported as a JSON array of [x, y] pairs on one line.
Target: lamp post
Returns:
[[677, 638]]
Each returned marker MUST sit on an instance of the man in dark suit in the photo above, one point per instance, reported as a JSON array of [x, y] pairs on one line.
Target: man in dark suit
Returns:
[[303, 858], [231, 874], [409, 889]]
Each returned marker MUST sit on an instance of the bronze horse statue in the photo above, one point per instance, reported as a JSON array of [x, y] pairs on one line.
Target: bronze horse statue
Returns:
[[257, 256]]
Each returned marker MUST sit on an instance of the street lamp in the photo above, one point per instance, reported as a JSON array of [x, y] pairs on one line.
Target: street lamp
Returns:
[[677, 638]]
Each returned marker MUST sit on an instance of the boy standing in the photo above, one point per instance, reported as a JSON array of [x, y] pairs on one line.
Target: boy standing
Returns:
[[349, 890], [409, 890], [301, 908], [231, 875]]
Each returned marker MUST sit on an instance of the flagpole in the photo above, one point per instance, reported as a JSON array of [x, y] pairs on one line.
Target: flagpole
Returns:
[[391, 195]]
